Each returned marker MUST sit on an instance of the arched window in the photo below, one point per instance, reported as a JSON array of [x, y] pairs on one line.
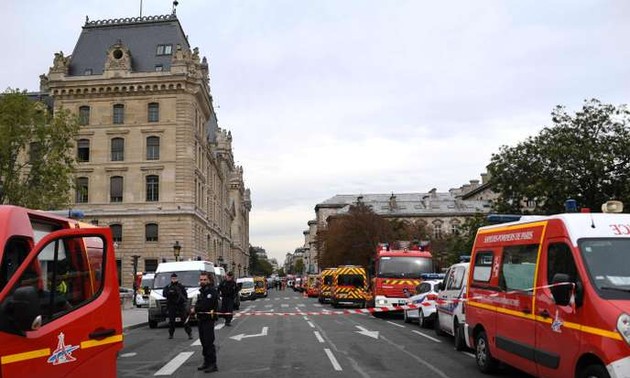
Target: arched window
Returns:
[[116, 189], [153, 148], [118, 149], [153, 188]]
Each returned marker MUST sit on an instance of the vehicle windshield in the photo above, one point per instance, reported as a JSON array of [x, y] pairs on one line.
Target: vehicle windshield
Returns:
[[355, 280], [328, 280], [147, 282], [187, 278], [408, 267], [607, 264], [260, 283], [247, 284]]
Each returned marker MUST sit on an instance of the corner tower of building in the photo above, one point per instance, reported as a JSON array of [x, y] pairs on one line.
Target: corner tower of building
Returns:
[[152, 162]]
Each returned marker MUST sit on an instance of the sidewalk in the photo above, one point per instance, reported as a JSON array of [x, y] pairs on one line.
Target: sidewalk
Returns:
[[134, 318]]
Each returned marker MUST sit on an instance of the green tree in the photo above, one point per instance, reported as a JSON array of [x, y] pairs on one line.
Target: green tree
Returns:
[[584, 156], [36, 159], [281, 272]]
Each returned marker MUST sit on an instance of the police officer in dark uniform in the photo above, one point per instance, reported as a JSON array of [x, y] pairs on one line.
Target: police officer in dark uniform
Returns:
[[205, 309], [228, 290], [176, 298]]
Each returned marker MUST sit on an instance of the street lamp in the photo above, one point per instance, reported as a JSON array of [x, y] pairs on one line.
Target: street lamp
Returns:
[[239, 270], [135, 274], [233, 266], [177, 248]]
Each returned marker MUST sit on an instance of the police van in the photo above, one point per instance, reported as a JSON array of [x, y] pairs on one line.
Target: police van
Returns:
[[187, 275], [451, 315]]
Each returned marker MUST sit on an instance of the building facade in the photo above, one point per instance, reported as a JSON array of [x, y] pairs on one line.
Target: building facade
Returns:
[[153, 163]]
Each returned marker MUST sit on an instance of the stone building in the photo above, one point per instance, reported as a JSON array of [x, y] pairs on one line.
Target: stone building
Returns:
[[153, 163], [441, 213]]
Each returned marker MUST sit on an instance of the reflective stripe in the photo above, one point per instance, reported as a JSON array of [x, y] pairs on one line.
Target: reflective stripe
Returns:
[[107, 340], [24, 356]]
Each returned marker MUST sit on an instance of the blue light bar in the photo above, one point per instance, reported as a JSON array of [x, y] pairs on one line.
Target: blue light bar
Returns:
[[503, 218]]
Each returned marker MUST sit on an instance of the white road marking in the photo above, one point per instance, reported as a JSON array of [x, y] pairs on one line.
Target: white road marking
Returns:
[[268, 306], [427, 336], [174, 364], [396, 324], [284, 305], [319, 337], [132, 354], [333, 360], [317, 305], [469, 354], [311, 324], [301, 305], [219, 326], [287, 298]]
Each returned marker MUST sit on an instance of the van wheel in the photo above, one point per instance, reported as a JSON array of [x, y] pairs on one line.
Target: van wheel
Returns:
[[422, 322], [436, 325], [594, 371], [153, 323], [460, 340], [405, 317], [485, 362]]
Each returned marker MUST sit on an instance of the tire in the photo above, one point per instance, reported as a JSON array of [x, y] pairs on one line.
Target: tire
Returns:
[[460, 340], [405, 317], [485, 362], [594, 371], [153, 323], [436, 325], [422, 321]]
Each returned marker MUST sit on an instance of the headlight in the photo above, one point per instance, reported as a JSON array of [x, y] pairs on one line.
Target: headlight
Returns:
[[623, 326]]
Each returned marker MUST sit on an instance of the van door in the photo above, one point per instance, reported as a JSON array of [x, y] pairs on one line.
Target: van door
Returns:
[[557, 338], [449, 297], [515, 320], [60, 312]]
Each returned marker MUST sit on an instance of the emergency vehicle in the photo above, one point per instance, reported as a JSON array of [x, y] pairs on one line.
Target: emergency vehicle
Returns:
[[450, 308], [59, 301], [260, 285], [312, 286], [326, 285], [349, 286], [398, 271], [551, 295]]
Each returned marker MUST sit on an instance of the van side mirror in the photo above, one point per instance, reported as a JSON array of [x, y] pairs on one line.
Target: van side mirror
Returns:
[[22, 309], [561, 293], [441, 286]]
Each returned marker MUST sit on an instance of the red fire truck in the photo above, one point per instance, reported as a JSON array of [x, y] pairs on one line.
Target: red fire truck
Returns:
[[398, 272], [59, 302]]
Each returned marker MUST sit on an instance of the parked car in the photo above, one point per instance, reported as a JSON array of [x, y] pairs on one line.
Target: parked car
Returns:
[[426, 295], [450, 317]]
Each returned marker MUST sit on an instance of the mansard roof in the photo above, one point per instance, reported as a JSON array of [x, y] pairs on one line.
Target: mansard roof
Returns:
[[141, 35], [408, 204]]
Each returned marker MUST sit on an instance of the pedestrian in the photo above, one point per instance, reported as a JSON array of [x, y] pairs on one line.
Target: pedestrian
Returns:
[[176, 301], [205, 309], [228, 290]]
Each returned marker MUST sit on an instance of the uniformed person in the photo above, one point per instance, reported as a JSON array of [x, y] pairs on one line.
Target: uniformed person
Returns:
[[228, 290], [205, 309], [176, 298]]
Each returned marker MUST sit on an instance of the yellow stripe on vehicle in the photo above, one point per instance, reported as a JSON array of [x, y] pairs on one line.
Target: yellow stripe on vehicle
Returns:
[[569, 325], [107, 340], [10, 358]]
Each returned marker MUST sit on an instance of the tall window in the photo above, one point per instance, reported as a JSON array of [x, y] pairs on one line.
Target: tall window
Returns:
[[153, 188], [82, 190], [153, 148], [119, 114], [116, 189], [164, 50], [116, 232], [154, 112], [84, 115], [151, 232], [150, 265], [83, 150], [437, 230], [118, 149]]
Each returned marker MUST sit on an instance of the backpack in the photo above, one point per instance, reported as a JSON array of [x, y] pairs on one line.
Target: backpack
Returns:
[[172, 294]]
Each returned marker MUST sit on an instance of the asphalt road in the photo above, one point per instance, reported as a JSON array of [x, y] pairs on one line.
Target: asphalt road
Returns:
[[301, 345]]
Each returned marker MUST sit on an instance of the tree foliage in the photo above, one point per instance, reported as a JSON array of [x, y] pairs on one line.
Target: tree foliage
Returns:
[[258, 266], [584, 156], [36, 159], [298, 266]]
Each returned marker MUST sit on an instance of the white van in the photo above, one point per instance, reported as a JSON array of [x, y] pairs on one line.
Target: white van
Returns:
[[450, 304], [246, 285], [187, 275], [219, 273]]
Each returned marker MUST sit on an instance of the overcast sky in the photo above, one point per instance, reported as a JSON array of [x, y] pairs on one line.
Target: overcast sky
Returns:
[[328, 97]]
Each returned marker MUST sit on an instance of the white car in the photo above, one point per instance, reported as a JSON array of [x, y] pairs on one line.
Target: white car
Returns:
[[426, 294]]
